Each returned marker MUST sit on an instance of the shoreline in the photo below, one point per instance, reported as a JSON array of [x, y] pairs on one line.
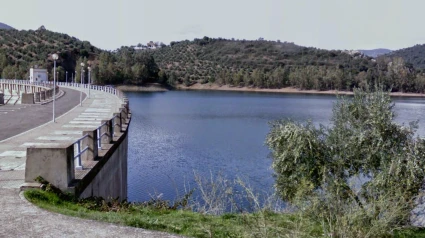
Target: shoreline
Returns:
[[215, 87]]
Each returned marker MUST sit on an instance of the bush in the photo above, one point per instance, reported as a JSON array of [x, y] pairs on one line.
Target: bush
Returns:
[[315, 167]]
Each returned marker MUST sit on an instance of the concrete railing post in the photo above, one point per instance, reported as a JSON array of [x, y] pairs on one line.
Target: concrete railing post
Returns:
[[37, 96], [107, 129], [124, 116], [42, 95], [55, 165], [27, 98], [117, 124], [91, 142]]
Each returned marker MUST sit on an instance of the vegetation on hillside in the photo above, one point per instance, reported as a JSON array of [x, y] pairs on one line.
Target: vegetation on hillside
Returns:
[[270, 64], [414, 56], [259, 63], [21, 50]]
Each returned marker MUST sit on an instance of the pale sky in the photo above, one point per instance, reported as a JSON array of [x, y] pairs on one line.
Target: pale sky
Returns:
[[328, 24]]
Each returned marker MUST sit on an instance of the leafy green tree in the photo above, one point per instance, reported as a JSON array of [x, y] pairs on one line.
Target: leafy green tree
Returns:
[[60, 71], [10, 72], [3, 62], [315, 167]]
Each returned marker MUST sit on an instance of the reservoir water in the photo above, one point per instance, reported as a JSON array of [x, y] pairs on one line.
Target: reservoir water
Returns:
[[176, 134]]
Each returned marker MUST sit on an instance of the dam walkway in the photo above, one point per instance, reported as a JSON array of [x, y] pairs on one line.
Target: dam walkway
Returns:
[[18, 217]]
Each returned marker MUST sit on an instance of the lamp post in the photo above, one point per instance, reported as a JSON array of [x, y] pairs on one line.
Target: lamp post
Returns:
[[81, 92], [75, 76], [89, 81], [66, 79], [55, 57]]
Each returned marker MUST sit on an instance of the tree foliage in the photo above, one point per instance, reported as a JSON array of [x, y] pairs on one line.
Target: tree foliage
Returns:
[[270, 64], [317, 166]]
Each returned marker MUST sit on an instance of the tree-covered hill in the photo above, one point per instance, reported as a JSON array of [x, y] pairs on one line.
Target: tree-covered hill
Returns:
[[414, 55], [4, 26], [21, 50], [270, 64]]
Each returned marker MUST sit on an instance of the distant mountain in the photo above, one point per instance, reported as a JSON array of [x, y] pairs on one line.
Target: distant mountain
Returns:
[[6, 27], [414, 55], [375, 52]]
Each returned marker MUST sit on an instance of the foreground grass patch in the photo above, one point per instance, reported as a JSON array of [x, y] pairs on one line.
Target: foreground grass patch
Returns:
[[186, 222]]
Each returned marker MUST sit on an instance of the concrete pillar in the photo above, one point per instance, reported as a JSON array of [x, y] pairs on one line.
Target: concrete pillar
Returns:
[[124, 116], [43, 95], [107, 129], [117, 124], [56, 165], [91, 142], [27, 98], [37, 96]]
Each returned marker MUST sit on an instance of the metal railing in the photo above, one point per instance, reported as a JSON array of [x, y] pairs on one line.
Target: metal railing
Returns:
[[100, 134], [79, 152], [49, 84]]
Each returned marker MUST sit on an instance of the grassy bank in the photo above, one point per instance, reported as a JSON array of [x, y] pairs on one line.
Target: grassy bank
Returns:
[[158, 215]]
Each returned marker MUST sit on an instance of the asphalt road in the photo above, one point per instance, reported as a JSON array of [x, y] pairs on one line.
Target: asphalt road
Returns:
[[15, 119]]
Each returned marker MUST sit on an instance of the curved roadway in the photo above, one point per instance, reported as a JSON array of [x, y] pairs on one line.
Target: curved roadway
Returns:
[[15, 119], [18, 217]]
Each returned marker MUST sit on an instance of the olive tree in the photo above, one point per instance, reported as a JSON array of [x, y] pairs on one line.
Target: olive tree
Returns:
[[316, 166]]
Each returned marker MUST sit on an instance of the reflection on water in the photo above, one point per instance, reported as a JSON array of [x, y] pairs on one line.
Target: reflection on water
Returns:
[[175, 134]]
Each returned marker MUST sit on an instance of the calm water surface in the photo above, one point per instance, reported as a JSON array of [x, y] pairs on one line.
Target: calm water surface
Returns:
[[178, 133]]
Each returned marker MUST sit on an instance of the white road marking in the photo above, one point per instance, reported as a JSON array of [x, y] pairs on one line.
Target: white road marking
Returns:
[[14, 153], [67, 132], [29, 144], [57, 138]]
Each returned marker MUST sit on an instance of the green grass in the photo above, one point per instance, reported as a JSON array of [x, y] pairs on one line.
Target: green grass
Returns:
[[186, 222], [183, 222]]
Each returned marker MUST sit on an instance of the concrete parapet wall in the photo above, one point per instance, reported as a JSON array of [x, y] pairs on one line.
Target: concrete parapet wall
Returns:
[[27, 98], [55, 165], [37, 97], [108, 179], [104, 169], [20, 88]]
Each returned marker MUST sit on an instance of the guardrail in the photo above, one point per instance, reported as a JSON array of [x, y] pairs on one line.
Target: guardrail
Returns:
[[100, 135], [49, 84], [77, 147]]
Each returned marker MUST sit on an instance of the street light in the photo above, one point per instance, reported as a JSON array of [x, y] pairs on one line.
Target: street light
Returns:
[[89, 68], [81, 92], [66, 79], [55, 57]]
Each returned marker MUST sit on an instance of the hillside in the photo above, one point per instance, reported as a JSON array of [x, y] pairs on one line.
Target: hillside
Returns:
[[4, 26], [414, 55], [21, 50], [270, 64], [375, 52], [262, 64]]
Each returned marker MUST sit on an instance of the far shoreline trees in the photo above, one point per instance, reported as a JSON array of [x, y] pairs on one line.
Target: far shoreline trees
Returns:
[[238, 63]]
